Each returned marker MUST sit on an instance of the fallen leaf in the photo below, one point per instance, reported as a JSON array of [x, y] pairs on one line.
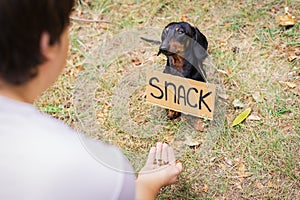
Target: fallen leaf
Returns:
[[287, 19], [228, 161], [183, 18], [254, 118], [199, 125], [259, 185], [205, 188], [223, 96], [241, 117], [222, 71], [103, 26], [272, 185], [257, 97], [228, 118], [241, 171], [136, 61], [229, 70], [292, 58], [247, 174], [206, 6], [213, 159], [79, 68], [223, 43], [191, 142], [238, 185], [289, 84], [238, 104]]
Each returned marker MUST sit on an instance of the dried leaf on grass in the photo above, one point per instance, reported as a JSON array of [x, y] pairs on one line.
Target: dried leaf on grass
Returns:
[[79, 68], [191, 142], [287, 19], [238, 104], [242, 172], [136, 61], [222, 72], [292, 53], [272, 185], [254, 118], [259, 185], [257, 96], [288, 84], [199, 125], [205, 188], [291, 58], [183, 18], [241, 117], [223, 96]]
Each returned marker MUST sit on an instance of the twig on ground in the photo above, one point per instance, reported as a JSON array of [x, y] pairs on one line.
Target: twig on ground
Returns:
[[89, 20]]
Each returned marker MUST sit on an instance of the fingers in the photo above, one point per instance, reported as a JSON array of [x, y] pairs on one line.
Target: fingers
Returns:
[[158, 156], [161, 168], [164, 154], [151, 156], [171, 155], [179, 167]]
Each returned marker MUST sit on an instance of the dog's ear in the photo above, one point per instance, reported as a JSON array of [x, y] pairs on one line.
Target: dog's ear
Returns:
[[200, 38], [199, 45]]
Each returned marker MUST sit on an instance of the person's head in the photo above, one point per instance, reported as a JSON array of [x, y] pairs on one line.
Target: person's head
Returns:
[[27, 27]]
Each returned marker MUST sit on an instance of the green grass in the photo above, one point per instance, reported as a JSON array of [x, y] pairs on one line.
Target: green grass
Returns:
[[253, 160]]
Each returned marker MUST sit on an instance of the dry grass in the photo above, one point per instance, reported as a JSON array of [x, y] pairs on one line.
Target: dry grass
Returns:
[[254, 160]]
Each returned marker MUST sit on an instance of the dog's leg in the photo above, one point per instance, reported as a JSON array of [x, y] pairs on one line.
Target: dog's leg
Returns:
[[171, 114]]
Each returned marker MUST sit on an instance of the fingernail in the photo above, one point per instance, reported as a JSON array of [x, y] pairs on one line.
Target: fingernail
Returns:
[[159, 144], [153, 149], [179, 166]]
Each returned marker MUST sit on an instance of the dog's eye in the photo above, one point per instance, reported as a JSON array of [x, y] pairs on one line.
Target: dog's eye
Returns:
[[180, 31], [167, 29]]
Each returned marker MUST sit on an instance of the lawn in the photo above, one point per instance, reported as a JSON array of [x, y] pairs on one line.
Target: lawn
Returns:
[[254, 61]]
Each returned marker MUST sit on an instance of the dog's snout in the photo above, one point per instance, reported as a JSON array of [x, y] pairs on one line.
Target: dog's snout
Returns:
[[164, 46], [162, 49]]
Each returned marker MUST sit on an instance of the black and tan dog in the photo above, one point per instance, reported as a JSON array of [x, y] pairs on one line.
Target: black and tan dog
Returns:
[[186, 48]]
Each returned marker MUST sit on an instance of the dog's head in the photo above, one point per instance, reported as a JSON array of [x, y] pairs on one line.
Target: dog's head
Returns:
[[182, 39]]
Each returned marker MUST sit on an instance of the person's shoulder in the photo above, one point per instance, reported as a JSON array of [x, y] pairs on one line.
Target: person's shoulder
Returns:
[[106, 166], [106, 154], [54, 151], [50, 122]]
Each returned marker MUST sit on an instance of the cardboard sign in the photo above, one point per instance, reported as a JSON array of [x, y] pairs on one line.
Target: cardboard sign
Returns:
[[181, 94]]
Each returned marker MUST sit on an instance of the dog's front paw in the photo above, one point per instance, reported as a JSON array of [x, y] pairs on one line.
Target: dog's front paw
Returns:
[[172, 114]]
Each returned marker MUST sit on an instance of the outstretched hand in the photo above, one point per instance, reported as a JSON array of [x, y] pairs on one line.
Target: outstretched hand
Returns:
[[160, 170]]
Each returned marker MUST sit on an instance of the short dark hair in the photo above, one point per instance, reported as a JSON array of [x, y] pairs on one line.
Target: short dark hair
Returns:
[[21, 24]]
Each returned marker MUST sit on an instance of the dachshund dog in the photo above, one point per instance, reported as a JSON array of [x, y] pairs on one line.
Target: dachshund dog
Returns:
[[185, 48]]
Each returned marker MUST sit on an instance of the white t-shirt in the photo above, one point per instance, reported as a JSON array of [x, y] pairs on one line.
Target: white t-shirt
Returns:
[[43, 159]]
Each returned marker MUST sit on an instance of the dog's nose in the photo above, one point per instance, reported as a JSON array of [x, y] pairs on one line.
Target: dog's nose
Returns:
[[164, 48]]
